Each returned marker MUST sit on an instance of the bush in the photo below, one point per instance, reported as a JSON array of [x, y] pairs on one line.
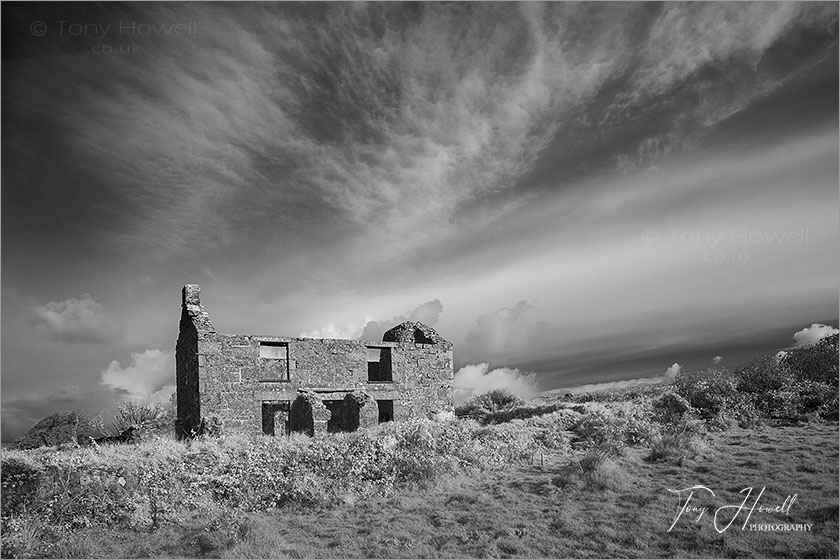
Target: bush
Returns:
[[815, 362], [519, 412], [762, 374], [616, 428], [813, 395], [149, 418], [161, 480], [798, 399], [675, 448], [639, 392], [675, 414], [20, 482], [710, 392], [597, 468], [22, 536], [829, 409], [744, 412], [487, 403]]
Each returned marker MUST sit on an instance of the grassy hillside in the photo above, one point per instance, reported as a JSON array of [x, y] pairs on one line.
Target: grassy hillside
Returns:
[[588, 477]]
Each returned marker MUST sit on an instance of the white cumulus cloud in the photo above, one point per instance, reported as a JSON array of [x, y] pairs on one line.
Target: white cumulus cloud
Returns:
[[371, 329], [331, 330], [672, 371], [76, 321], [813, 334], [144, 378], [475, 379], [503, 334]]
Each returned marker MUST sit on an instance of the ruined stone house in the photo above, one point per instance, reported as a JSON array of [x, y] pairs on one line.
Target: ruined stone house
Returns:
[[276, 385]]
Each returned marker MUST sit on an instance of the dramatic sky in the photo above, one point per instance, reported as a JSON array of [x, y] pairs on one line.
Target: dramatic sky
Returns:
[[572, 193]]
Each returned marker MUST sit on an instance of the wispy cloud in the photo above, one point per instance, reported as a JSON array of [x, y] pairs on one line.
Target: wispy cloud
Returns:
[[75, 321], [380, 122]]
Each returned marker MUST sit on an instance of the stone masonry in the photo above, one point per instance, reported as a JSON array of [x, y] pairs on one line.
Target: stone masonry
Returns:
[[275, 385]]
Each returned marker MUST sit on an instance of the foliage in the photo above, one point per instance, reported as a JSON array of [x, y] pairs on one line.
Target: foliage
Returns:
[[815, 362], [800, 386], [150, 418], [638, 392], [486, 403], [710, 392], [162, 480], [596, 468], [616, 428], [675, 414], [744, 413], [675, 447], [22, 534], [761, 375], [520, 412], [20, 481]]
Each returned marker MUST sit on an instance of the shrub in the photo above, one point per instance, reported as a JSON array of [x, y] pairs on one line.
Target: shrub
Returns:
[[675, 448], [675, 414], [520, 412], [744, 412], [761, 375], [782, 404], [798, 399], [710, 392], [813, 395], [815, 362], [597, 468], [615, 428], [22, 536], [161, 480], [20, 482], [598, 428], [829, 409], [487, 403], [639, 392], [153, 418]]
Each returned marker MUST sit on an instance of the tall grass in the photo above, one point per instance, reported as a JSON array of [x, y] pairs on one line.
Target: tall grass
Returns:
[[162, 480]]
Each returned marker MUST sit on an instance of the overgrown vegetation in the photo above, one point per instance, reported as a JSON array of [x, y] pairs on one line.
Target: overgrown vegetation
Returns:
[[211, 488]]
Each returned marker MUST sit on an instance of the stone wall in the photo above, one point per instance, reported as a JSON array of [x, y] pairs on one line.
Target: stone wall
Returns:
[[186, 361], [230, 377]]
